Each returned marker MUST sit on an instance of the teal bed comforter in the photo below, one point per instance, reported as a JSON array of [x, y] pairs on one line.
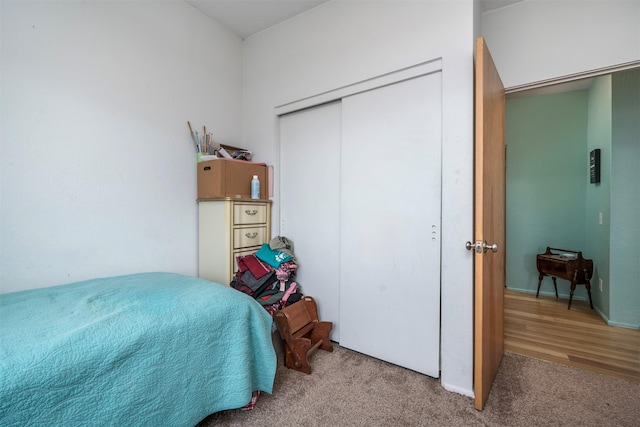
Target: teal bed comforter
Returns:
[[152, 349]]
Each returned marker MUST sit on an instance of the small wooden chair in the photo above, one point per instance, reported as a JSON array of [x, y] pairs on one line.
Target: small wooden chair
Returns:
[[302, 333]]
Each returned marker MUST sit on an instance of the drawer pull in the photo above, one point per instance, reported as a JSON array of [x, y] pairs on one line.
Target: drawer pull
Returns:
[[251, 235], [251, 211]]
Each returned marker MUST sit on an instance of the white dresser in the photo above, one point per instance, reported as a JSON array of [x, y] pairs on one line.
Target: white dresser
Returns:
[[228, 228]]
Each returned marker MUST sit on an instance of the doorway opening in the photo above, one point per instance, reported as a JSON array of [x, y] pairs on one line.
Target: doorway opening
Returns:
[[550, 131]]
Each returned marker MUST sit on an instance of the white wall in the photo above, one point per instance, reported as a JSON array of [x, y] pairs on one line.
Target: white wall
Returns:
[[536, 40], [344, 42], [98, 171]]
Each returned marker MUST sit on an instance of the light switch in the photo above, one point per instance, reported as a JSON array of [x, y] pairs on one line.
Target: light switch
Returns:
[[600, 218]]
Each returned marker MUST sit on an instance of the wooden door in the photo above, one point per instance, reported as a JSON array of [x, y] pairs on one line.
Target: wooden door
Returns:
[[390, 223], [489, 223]]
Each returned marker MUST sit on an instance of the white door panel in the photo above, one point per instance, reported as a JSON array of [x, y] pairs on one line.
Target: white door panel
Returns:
[[390, 223], [310, 202]]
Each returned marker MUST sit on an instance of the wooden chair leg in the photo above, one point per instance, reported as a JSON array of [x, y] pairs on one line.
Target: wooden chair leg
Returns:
[[321, 333], [299, 356]]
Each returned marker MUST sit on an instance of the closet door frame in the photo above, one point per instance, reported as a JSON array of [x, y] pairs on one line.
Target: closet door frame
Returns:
[[417, 70], [336, 95]]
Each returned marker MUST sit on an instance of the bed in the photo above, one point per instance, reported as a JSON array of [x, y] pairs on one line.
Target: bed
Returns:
[[146, 349]]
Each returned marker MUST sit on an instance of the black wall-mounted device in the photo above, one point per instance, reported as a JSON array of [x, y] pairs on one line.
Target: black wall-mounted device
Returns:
[[594, 166]]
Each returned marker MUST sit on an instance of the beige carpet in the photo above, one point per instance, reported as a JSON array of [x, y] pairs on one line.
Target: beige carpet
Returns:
[[350, 389]]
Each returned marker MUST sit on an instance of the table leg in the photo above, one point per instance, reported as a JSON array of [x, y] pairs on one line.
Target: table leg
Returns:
[[588, 286], [539, 281], [573, 287], [555, 285]]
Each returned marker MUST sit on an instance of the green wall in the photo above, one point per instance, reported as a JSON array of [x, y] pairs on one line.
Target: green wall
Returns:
[[547, 169], [598, 236], [625, 200], [550, 201]]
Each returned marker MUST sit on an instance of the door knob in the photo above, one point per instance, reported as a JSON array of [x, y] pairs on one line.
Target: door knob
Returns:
[[493, 247], [481, 246]]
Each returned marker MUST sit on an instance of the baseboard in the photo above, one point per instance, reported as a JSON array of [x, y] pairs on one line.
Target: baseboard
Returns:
[[623, 325], [454, 389], [614, 323], [549, 294]]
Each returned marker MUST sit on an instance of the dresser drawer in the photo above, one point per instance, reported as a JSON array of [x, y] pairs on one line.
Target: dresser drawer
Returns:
[[241, 252], [229, 228], [248, 213], [250, 236]]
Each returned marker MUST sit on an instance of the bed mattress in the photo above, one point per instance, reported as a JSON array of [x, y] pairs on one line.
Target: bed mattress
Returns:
[[145, 349]]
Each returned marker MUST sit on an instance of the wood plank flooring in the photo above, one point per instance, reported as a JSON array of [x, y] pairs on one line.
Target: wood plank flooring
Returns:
[[543, 328]]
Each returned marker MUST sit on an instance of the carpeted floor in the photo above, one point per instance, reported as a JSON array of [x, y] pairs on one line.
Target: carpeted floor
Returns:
[[350, 389]]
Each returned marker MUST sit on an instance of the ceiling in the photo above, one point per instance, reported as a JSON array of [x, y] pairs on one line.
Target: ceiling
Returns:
[[247, 17]]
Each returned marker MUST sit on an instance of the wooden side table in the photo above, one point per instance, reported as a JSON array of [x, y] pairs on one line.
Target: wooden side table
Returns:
[[567, 265]]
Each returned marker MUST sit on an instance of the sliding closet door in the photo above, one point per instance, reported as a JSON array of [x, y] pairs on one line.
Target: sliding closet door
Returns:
[[390, 223], [310, 201]]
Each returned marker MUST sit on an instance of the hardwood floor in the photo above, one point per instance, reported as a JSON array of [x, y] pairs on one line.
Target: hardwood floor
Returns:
[[543, 328]]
